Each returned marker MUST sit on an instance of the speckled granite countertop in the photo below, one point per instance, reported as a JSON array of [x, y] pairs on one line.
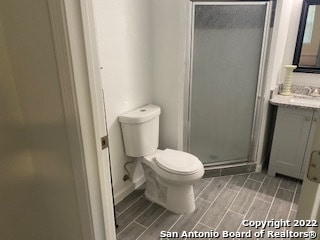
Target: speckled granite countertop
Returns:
[[300, 98]]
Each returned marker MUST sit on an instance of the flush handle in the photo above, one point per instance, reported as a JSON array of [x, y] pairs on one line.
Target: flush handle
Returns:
[[314, 167]]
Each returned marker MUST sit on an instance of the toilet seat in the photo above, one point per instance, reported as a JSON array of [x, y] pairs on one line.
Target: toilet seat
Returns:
[[178, 162]]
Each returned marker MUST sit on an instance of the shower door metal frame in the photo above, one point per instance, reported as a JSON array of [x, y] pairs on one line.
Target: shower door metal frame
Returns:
[[257, 117]]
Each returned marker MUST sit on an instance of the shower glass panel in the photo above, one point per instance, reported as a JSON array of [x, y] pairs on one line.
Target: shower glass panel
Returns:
[[226, 54]]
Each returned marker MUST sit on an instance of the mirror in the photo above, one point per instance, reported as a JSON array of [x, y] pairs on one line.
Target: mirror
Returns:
[[307, 53]]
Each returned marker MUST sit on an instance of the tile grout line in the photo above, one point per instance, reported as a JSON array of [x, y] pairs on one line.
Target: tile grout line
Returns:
[[274, 197], [286, 189], [204, 188], [202, 224], [257, 180], [152, 203], [217, 194], [251, 204], [237, 194], [255, 196], [198, 197], [123, 229], [242, 215], [175, 222], [225, 186], [134, 218], [294, 195], [141, 225], [131, 204], [292, 202], [283, 179], [232, 202], [206, 179], [204, 200], [265, 177], [152, 224], [262, 199], [221, 220], [284, 228], [254, 180]]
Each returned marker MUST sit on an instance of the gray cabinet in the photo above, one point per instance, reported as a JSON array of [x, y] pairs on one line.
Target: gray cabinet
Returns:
[[292, 139]]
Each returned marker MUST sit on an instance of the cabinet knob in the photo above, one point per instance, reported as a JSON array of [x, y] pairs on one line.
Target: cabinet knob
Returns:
[[308, 118]]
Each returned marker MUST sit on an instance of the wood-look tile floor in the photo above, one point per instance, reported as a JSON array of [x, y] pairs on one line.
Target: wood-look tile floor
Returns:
[[222, 203]]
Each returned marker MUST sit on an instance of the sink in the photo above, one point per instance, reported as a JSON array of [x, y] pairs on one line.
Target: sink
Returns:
[[299, 98], [314, 101]]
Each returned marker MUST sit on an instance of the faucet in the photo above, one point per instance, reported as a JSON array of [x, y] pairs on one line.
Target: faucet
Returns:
[[309, 90], [315, 93]]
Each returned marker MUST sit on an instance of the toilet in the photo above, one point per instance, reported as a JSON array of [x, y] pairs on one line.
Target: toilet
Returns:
[[170, 174]]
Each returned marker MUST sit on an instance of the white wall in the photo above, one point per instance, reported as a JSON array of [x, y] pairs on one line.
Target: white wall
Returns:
[[275, 54], [124, 43], [170, 26]]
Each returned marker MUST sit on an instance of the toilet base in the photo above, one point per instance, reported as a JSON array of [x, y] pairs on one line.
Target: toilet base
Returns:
[[176, 198]]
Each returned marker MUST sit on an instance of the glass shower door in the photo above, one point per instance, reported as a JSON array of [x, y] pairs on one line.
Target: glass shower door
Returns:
[[226, 55]]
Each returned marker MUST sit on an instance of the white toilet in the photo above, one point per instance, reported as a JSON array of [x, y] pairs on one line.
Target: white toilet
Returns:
[[169, 174]]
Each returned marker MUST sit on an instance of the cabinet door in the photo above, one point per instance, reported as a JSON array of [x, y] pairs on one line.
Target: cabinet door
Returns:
[[290, 141]]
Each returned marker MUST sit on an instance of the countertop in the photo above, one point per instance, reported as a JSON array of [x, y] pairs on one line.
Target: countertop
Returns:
[[300, 98]]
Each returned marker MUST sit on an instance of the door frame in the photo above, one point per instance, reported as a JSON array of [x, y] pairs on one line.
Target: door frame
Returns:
[[72, 25], [309, 201]]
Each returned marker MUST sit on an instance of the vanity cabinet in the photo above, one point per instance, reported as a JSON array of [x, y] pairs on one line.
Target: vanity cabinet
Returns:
[[292, 140]]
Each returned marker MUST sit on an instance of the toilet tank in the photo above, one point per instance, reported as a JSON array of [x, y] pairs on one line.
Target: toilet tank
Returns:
[[140, 130]]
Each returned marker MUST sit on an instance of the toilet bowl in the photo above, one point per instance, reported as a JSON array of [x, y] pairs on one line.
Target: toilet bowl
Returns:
[[170, 174], [169, 182]]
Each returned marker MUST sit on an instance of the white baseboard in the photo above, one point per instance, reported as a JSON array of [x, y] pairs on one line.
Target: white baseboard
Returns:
[[258, 167], [126, 191]]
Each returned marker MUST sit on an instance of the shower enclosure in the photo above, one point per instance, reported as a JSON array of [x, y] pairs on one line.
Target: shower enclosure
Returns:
[[227, 57]]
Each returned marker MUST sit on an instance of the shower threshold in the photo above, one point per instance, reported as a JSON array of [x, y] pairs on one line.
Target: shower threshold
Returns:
[[216, 170], [225, 162]]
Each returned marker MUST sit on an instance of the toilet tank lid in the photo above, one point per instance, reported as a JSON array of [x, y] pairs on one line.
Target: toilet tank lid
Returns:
[[140, 115]]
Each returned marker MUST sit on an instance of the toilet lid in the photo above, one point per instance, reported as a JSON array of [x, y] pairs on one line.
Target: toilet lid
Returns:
[[177, 162]]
